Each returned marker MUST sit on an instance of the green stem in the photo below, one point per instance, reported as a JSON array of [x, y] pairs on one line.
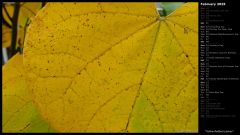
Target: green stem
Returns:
[[14, 29]]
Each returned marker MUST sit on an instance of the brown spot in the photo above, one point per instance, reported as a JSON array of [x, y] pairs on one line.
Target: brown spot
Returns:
[[185, 31], [99, 63]]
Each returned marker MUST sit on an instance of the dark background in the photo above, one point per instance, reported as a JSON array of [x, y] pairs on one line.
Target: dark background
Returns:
[[230, 99]]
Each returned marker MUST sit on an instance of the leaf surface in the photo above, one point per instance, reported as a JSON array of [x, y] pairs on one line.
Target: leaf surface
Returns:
[[110, 67], [19, 113], [7, 36]]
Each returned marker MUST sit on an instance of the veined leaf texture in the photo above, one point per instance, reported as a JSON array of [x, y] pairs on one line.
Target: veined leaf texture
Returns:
[[114, 67], [19, 113]]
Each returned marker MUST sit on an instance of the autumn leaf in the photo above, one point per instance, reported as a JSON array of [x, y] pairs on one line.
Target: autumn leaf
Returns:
[[19, 113], [114, 67], [27, 11], [7, 36]]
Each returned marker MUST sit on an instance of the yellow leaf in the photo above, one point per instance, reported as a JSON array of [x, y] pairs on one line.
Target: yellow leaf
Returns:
[[9, 11], [27, 10], [111, 67], [19, 114], [6, 36], [30, 9]]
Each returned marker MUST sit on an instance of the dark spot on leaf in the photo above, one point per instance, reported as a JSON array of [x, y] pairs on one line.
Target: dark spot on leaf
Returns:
[[185, 31], [99, 63]]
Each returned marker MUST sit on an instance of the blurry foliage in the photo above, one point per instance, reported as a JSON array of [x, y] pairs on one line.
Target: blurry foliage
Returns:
[[19, 22], [167, 8]]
